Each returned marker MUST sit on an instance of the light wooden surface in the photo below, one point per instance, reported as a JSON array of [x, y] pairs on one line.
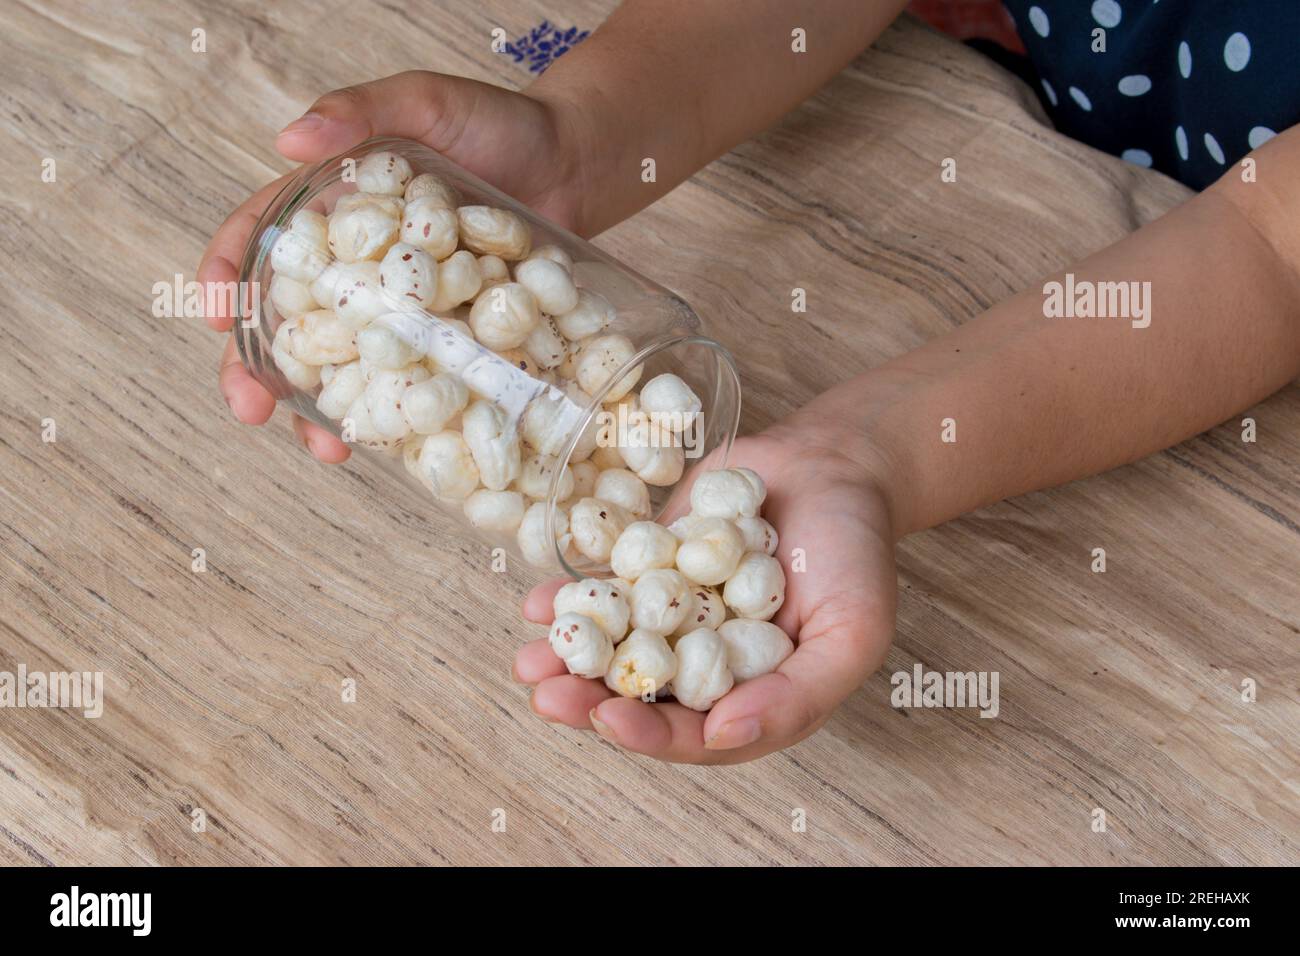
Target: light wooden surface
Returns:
[[1118, 691]]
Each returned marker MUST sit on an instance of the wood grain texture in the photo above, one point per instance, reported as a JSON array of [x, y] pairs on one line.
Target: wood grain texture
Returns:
[[1119, 691]]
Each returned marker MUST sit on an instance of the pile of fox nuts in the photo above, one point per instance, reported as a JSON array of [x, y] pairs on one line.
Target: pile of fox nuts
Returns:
[[688, 613], [437, 332]]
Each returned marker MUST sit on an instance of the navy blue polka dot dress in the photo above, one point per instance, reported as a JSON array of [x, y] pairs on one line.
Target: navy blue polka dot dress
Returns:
[[1186, 86]]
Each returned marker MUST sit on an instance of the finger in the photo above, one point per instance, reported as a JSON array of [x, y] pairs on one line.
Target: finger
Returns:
[[568, 700], [251, 403], [415, 105], [225, 251], [663, 730], [535, 662], [325, 446], [538, 605]]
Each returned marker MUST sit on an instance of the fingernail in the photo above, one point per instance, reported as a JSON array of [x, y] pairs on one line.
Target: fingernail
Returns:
[[601, 727], [735, 733], [304, 124]]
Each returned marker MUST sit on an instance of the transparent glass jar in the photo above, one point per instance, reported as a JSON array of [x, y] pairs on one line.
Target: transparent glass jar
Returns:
[[410, 308]]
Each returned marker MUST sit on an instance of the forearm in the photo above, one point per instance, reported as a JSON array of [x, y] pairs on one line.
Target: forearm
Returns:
[[1038, 401], [683, 81]]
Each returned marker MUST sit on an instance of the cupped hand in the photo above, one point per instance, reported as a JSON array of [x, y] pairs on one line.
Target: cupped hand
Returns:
[[831, 513], [513, 141]]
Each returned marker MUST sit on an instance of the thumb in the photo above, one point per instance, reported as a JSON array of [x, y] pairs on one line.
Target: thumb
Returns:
[[417, 104]]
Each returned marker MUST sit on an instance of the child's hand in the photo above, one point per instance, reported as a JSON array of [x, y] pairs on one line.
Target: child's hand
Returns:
[[518, 143], [840, 610]]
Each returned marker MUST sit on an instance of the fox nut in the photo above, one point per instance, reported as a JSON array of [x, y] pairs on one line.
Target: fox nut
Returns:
[[555, 254], [430, 226], [290, 297], [344, 387], [711, 552], [322, 338], [641, 666], [447, 466], [362, 230], [493, 269], [302, 252], [584, 479], [429, 404], [655, 464], [429, 186], [625, 489], [579, 641], [383, 345], [503, 316], [598, 362], [537, 549], [670, 402], [605, 602], [596, 525], [535, 478], [728, 493], [408, 276], [497, 232], [499, 511], [458, 281], [544, 345], [754, 648], [756, 589], [384, 173], [589, 316], [707, 610], [759, 535], [299, 374], [451, 347], [356, 294], [642, 547], [550, 283], [491, 439], [660, 599], [702, 672]]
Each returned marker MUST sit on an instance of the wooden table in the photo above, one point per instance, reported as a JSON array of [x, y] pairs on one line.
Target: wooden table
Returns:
[[1120, 691]]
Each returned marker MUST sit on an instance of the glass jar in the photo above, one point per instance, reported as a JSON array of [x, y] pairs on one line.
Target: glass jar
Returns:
[[409, 307]]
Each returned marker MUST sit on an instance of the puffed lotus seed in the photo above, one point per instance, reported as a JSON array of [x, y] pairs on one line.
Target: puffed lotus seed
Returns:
[[362, 230], [578, 641], [363, 430], [344, 387], [451, 347], [430, 404], [494, 270], [298, 374], [605, 602], [685, 525], [383, 346], [641, 666], [447, 466], [555, 254], [322, 338], [356, 295], [430, 226], [625, 489], [429, 186], [669, 402], [759, 535], [711, 553], [411, 449], [589, 316], [497, 232], [535, 478], [498, 380], [660, 600], [702, 674], [596, 525], [754, 648], [385, 173], [727, 493], [384, 396], [550, 284], [537, 549], [302, 252], [599, 361], [660, 466], [643, 546], [584, 479], [607, 457], [545, 345], [491, 439], [552, 416], [459, 281], [503, 316], [495, 511], [409, 276], [707, 610], [756, 589], [290, 297]]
